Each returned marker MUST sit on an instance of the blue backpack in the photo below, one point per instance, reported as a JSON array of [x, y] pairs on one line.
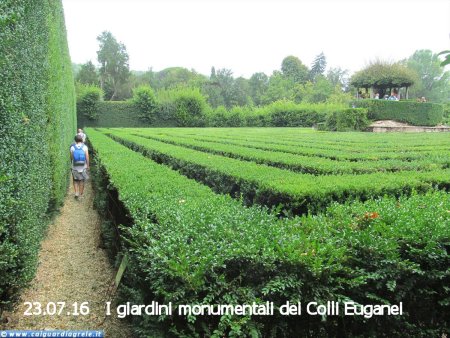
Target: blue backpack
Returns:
[[79, 157]]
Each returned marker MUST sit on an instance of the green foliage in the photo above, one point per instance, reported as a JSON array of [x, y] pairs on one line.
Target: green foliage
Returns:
[[258, 84], [282, 113], [293, 69], [347, 120], [188, 245], [186, 106], [338, 77], [318, 67], [433, 82], [446, 114], [384, 75], [279, 87], [339, 97], [297, 193], [289, 114], [88, 97], [176, 77], [221, 117], [415, 113], [247, 150], [37, 120], [112, 114], [446, 60], [87, 74], [145, 101], [218, 117], [223, 89], [114, 68], [315, 92]]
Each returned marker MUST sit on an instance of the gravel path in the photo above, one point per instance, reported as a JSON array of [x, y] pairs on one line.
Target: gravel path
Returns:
[[72, 268]]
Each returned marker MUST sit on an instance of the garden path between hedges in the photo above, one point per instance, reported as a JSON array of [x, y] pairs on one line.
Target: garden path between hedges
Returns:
[[72, 268]]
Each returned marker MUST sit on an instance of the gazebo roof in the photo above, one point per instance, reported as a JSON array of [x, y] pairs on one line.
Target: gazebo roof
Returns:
[[383, 75]]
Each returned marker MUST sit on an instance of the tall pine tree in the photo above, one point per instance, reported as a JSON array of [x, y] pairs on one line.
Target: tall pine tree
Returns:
[[318, 67]]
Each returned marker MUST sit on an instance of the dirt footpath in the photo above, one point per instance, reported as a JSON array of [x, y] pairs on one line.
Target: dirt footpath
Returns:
[[72, 268]]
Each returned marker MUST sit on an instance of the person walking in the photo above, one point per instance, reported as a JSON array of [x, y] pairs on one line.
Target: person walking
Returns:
[[79, 156], [82, 134]]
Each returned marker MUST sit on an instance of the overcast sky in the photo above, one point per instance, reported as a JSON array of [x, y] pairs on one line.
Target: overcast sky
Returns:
[[249, 36]]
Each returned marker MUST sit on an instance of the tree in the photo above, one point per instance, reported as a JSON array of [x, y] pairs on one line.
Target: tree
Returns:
[[176, 76], [212, 91], [242, 92], [293, 69], [87, 74], [338, 77], [433, 81], [318, 66], [222, 89], [280, 87], [114, 68], [314, 92], [258, 84]]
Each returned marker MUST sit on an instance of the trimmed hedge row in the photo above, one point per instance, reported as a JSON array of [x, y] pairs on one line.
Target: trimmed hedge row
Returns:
[[293, 192], [188, 108], [307, 150], [37, 122], [349, 142], [305, 164], [277, 114], [415, 113], [190, 246]]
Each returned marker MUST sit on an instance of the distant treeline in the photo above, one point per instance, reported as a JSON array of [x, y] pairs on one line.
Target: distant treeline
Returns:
[[294, 81]]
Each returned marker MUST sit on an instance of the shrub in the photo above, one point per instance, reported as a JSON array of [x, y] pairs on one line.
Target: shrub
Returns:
[[145, 101], [415, 113], [88, 97], [281, 113], [446, 114], [186, 106], [236, 117], [217, 118], [347, 120]]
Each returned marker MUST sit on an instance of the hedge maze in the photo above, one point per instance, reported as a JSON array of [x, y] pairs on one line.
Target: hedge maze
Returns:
[[225, 216]]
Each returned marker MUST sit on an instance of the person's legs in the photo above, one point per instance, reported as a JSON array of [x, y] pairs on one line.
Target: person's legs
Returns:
[[77, 189], [84, 176], [81, 187], [75, 186]]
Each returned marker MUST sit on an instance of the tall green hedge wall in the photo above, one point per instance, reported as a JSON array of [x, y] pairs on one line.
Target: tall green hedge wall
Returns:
[[37, 123], [415, 113], [125, 114], [114, 114], [279, 114]]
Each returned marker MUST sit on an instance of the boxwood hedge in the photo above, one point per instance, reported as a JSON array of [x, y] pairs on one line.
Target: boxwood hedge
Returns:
[[415, 113], [112, 114], [37, 121], [188, 245]]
